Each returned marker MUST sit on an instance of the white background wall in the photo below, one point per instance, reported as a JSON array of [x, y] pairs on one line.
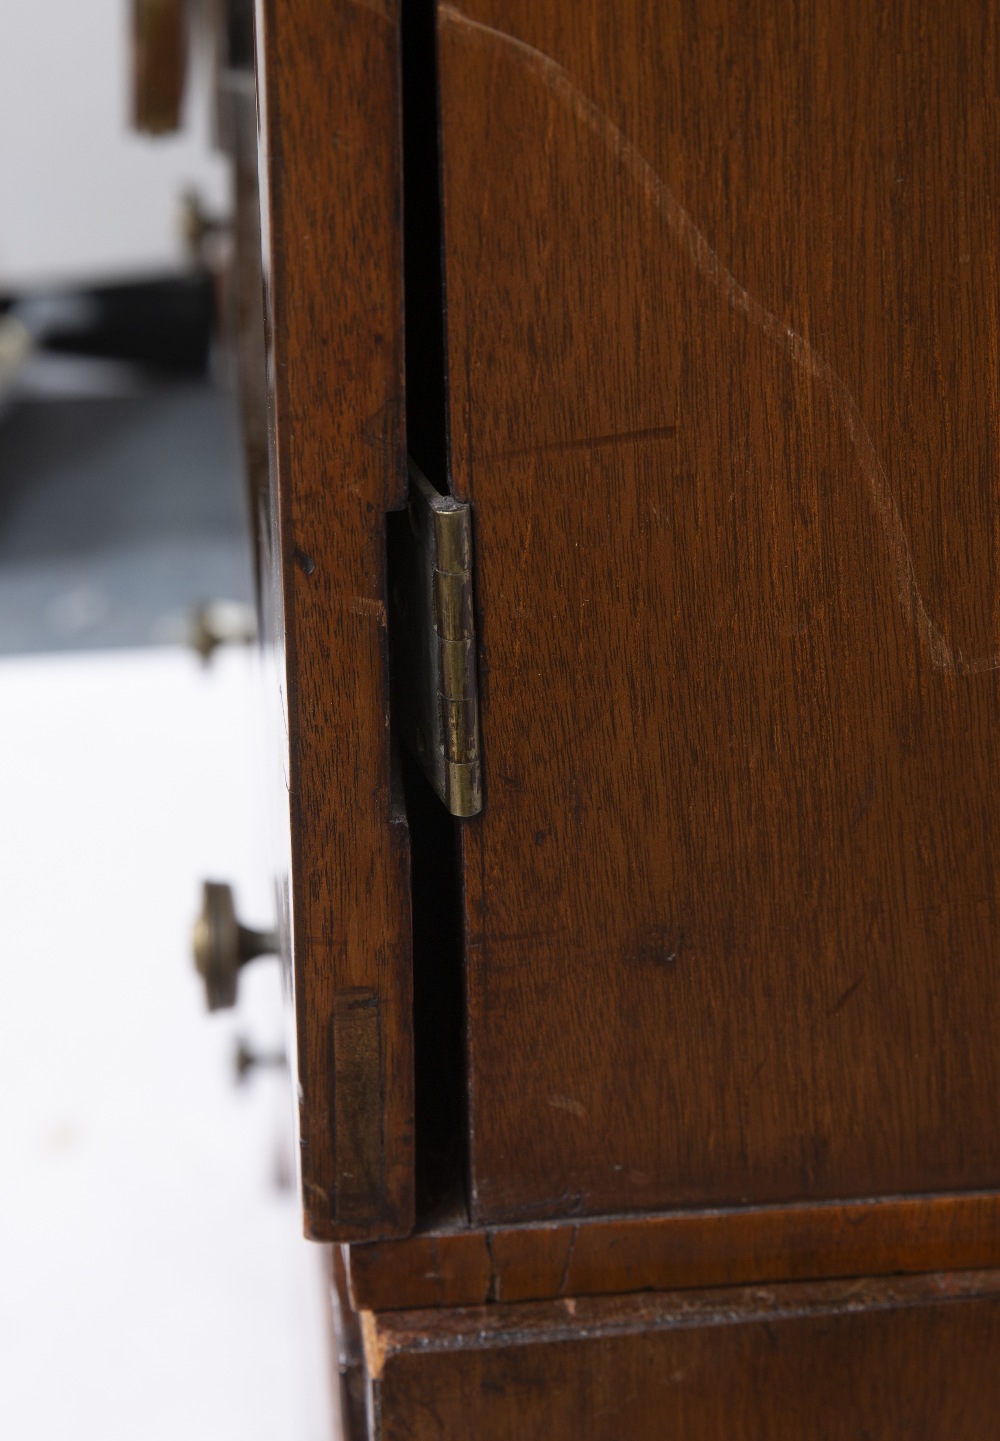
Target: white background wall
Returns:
[[155, 1283], [82, 198]]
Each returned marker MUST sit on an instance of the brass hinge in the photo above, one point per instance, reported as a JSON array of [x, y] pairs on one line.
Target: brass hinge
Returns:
[[433, 641]]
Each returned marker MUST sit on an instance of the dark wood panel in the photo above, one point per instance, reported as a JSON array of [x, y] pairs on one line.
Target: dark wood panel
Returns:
[[675, 1251], [328, 82], [913, 1358], [722, 347]]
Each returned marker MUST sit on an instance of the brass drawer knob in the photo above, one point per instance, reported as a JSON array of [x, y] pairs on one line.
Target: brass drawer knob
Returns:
[[220, 622], [221, 945]]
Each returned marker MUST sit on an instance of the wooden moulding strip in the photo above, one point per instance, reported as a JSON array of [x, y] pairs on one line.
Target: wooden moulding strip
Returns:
[[679, 1250], [393, 1333]]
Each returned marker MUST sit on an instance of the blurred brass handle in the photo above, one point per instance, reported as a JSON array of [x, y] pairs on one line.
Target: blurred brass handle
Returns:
[[221, 945], [246, 1059], [220, 622], [159, 64]]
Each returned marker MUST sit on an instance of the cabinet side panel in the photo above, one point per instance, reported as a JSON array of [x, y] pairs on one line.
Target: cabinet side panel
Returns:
[[330, 160]]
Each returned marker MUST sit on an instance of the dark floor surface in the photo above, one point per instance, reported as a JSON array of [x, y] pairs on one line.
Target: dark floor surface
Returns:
[[119, 514]]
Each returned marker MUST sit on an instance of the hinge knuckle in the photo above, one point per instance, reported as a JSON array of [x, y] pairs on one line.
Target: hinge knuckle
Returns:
[[434, 644]]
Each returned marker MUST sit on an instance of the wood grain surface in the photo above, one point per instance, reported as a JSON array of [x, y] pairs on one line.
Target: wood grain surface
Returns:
[[330, 162], [882, 1360], [723, 364], [676, 1250]]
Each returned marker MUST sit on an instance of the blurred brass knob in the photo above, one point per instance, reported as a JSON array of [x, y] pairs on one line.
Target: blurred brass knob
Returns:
[[159, 64], [246, 1059], [220, 622], [221, 945]]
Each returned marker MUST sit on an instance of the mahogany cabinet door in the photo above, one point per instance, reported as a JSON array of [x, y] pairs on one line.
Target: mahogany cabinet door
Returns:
[[722, 350]]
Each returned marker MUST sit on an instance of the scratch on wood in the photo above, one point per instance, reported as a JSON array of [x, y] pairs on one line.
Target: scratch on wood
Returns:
[[797, 349], [566, 1103], [493, 1290], [369, 605], [384, 9], [842, 1001], [522, 607], [590, 442], [435, 1273], [564, 1279], [375, 1345]]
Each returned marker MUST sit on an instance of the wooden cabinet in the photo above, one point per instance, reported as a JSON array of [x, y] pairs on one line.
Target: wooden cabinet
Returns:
[[696, 308]]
